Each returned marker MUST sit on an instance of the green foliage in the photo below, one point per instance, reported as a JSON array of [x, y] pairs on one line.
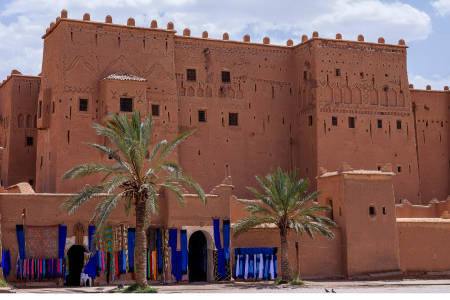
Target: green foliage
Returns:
[[130, 179], [3, 283], [280, 281], [134, 288], [297, 282], [285, 203]]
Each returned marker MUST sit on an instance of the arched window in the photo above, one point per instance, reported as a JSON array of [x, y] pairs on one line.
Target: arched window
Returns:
[[20, 121], [29, 121]]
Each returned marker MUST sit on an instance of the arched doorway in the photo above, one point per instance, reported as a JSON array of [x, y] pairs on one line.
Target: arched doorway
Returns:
[[76, 262], [197, 257]]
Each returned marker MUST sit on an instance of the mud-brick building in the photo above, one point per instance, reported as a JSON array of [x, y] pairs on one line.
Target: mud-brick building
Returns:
[[255, 106]]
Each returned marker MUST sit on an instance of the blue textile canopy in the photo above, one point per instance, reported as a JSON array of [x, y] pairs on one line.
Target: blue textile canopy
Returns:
[[256, 250]]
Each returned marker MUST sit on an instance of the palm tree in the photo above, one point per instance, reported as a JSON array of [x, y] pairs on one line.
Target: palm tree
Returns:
[[130, 180], [285, 204]]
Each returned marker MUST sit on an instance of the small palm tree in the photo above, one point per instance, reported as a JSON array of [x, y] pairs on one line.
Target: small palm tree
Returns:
[[129, 179], [285, 204]]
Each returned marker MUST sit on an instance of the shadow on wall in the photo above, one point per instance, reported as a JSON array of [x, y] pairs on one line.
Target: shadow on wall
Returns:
[[435, 209]]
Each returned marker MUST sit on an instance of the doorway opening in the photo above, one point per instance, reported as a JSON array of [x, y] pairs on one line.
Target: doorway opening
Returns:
[[197, 257], [76, 263]]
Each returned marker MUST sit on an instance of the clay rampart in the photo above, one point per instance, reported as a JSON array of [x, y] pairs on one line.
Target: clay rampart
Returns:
[[434, 209]]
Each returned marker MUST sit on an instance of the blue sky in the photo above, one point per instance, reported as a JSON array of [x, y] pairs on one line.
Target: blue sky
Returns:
[[424, 25]]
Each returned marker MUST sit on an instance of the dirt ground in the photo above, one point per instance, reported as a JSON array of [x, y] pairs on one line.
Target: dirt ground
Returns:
[[338, 286]]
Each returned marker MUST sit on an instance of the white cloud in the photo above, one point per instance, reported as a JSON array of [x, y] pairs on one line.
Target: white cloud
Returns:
[[420, 82], [442, 7], [23, 22]]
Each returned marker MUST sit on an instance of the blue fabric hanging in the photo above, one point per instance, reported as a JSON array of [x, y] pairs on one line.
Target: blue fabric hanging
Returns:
[[91, 231], [226, 240], [251, 273], [176, 265], [258, 262], [62, 240], [241, 266], [266, 266], [184, 251], [6, 263], [217, 234], [158, 251], [21, 240], [275, 267], [173, 239], [90, 268], [257, 250], [131, 244]]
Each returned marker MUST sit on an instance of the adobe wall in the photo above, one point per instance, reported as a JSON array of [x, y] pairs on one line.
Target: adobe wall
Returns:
[[431, 118], [93, 51], [372, 85], [18, 98], [261, 92], [424, 245], [434, 209]]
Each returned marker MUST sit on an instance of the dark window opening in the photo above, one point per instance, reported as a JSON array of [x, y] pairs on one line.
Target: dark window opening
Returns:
[[384, 211], [84, 104], [399, 169], [334, 121], [29, 141], [232, 119], [226, 76], [42, 159], [191, 75], [338, 72], [379, 168], [372, 210], [40, 109], [399, 124], [53, 107], [351, 122], [126, 104], [202, 116], [380, 123], [110, 157], [155, 110], [310, 120], [361, 75], [30, 182]]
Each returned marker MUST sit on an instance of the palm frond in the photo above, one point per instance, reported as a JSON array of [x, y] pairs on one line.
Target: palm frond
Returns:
[[245, 224]]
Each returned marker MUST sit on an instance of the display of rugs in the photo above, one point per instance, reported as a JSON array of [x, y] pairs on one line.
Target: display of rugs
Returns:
[[41, 242]]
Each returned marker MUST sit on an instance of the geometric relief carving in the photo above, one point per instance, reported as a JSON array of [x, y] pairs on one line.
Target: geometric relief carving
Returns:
[[29, 121], [392, 98], [401, 99], [337, 95], [383, 97], [347, 95], [230, 94], [208, 92], [199, 92], [328, 94], [373, 97], [357, 96], [239, 94], [182, 91], [191, 91], [21, 121]]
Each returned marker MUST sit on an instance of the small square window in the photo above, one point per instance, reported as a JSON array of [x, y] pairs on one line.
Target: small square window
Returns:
[[30, 182], [334, 121], [126, 104], [191, 74], [384, 210], [379, 168], [202, 116], [84, 104], [232, 119], [155, 110], [372, 211], [338, 72], [351, 122], [399, 124], [380, 123], [399, 169], [29, 141], [226, 76], [310, 120]]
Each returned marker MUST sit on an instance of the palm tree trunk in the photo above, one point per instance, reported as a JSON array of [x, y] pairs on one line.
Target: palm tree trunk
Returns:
[[141, 249], [286, 272]]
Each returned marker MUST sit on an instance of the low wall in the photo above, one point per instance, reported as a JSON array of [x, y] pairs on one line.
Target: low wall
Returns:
[[433, 210], [424, 245], [317, 257]]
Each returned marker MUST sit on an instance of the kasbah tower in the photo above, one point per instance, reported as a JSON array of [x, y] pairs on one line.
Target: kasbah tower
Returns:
[[255, 106]]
